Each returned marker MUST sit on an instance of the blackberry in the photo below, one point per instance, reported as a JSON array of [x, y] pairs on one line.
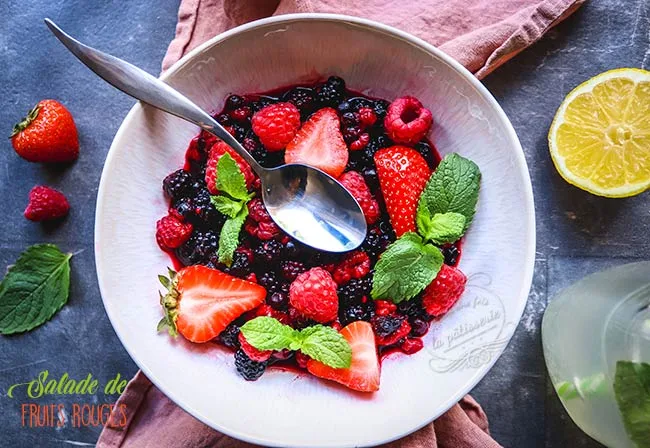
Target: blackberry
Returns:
[[251, 145], [375, 242], [370, 176], [344, 106], [360, 311], [224, 119], [349, 119], [230, 336], [425, 150], [205, 211], [386, 325], [301, 97], [272, 283], [354, 290], [178, 184], [241, 132], [234, 102], [261, 103], [419, 327], [197, 169], [358, 102], [268, 159], [278, 301], [412, 309], [351, 133], [268, 251], [291, 269], [240, 266], [184, 207], [451, 254], [380, 107], [198, 248], [250, 370], [331, 92]]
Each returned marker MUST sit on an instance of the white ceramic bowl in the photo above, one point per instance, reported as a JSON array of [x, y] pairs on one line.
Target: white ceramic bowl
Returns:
[[282, 408]]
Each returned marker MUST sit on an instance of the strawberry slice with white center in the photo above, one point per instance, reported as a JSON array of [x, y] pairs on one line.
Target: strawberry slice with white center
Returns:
[[202, 302], [319, 143], [363, 373]]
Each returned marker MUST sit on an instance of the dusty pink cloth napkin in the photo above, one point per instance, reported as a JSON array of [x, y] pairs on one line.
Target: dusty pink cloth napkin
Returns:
[[481, 34]]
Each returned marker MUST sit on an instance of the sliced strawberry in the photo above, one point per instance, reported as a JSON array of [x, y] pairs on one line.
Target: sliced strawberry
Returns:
[[363, 374], [402, 173], [203, 301], [319, 143]]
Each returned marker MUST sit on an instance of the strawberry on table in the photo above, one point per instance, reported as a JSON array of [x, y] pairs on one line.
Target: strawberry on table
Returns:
[[48, 134], [46, 203], [363, 374], [403, 174], [444, 291], [319, 143], [202, 302]]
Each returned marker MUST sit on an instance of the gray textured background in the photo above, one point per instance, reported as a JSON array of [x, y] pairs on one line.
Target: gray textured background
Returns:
[[577, 233]]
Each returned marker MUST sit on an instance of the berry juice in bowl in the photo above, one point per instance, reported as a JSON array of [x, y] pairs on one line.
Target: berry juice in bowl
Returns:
[[596, 337]]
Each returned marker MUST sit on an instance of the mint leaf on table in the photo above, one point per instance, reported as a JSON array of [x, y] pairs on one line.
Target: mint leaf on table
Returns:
[[453, 187], [34, 289], [324, 344], [632, 391], [328, 346], [227, 206], [230, 179], [440, 228], [405, 268], [229, 236], [267, 333]]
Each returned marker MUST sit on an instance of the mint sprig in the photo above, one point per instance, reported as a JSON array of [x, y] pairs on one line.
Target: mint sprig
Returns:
[[406, 267], [453, 187], [440, 228], [632, 392], [319, 342], [34, 289], [231, 201]]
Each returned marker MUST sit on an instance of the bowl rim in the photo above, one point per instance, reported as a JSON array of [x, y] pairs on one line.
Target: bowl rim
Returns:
[[413, 40]]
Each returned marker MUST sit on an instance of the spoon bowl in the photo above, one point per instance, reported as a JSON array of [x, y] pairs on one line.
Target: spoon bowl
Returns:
[[305, 202]]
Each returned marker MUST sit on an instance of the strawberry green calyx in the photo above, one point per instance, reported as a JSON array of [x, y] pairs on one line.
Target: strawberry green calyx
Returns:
[[31, 116], [169, 303]]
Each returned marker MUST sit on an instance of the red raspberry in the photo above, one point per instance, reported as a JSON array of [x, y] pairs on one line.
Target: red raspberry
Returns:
[[268, 310], [407, 121], [356, 185], [367, 117], [252, 352], [218, 150], [46, 203], [360, 143], [259, 223], [354, 265], [302, 359], [171, 232], [276, 125], [384, 307], [412, 345], [241, 114], [444, 291], [313, 293]]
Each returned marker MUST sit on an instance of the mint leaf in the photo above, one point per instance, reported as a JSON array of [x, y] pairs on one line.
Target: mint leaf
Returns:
[[453, 187], [442, 227], [319, 342], [230, 179], [328, 346], [267, 333], [632, 391], [34, 289], [405, 268], [227, 206], [229, 236]]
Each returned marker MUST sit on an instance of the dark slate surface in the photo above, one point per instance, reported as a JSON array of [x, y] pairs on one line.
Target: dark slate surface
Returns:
[[577, 233]]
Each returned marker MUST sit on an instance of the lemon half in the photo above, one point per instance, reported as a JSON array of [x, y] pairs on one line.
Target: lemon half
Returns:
[[600, 136]]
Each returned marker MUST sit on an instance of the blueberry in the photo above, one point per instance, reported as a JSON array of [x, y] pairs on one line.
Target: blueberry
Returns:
[[234, 102]]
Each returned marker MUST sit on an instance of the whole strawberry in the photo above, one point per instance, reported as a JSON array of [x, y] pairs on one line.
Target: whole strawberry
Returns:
[[313, 293], [48, 134], [46, 203], [276, 125], [402, 173], [444, 291]]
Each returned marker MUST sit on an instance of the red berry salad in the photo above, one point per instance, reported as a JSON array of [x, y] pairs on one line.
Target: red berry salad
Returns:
[[244, 284]]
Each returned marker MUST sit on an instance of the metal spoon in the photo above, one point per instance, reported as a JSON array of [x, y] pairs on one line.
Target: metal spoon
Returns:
[[305, 202]]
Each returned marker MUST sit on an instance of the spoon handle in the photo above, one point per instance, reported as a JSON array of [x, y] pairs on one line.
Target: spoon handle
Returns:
[[148, 89]]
